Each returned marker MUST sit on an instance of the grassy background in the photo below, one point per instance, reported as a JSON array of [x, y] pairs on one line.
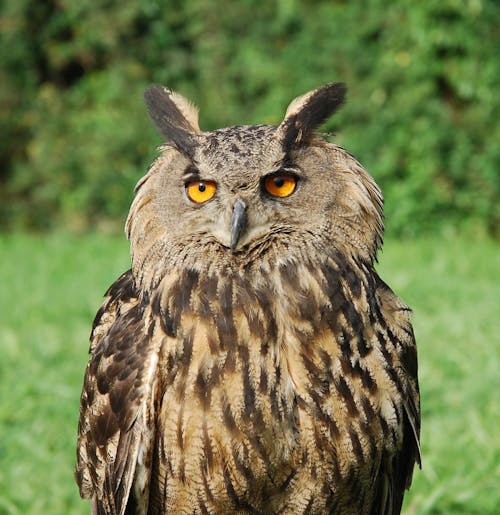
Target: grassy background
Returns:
[[51, 287]]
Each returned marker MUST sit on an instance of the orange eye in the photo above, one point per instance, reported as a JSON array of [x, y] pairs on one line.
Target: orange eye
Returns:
[[280, 185], [200, 191]]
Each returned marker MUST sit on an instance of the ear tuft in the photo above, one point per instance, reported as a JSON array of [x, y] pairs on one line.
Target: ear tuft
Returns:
[[174, 117], [307, 112], [187, 108]]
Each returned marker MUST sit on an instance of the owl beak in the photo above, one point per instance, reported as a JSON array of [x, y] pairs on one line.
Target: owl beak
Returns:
[[238, 222]]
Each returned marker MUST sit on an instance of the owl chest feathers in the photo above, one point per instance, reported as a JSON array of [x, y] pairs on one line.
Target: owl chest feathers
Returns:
[[264, 371]]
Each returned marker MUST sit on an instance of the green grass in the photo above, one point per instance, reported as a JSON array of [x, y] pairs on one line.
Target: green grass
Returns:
[[50, 288]]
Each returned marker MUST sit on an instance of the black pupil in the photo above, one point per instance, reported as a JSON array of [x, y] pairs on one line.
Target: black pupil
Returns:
[[279, 182], [202, 187]]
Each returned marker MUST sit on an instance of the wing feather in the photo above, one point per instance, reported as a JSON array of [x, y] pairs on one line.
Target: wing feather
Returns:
[[395, 474], [114, 418]]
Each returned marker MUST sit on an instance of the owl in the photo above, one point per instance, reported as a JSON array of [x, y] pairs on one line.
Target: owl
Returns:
[[251, 360]]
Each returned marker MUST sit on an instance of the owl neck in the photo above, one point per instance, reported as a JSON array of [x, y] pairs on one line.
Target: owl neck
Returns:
[[264, 297]]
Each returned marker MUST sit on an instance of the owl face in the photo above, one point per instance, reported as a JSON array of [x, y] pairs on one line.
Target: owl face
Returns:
[[237, 191], [240, 189]]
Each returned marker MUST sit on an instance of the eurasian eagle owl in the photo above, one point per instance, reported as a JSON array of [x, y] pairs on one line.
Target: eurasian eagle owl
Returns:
[[252, 360]]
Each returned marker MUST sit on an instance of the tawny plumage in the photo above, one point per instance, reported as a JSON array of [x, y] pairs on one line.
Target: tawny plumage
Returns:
[[252, 360]]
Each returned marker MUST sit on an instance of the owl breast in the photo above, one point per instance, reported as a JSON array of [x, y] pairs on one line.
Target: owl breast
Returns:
[[264, 385]]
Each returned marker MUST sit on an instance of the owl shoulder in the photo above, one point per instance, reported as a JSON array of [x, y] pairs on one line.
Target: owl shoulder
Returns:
[[120, 297]]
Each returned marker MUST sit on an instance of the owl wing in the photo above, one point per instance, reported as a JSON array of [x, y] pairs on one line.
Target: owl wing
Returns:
[[116, 407], [395, 473]]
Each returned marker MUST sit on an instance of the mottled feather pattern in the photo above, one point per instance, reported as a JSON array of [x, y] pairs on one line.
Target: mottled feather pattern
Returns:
[[278, 376], [266, 383], [116, 387]]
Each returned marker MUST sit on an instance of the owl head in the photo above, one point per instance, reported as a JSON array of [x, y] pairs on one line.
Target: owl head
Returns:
[[234, 195]]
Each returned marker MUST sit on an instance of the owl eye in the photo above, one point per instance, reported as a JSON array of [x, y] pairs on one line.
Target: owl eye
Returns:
[[200, 191], [280, 184]]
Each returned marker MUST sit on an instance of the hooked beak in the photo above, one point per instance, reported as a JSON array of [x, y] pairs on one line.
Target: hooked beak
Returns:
[[238, 222]]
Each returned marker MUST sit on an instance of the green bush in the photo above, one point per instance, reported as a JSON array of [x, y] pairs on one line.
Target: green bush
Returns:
[[423, 114]]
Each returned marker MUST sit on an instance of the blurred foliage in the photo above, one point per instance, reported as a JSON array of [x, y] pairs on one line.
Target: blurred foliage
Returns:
[[423, 114]]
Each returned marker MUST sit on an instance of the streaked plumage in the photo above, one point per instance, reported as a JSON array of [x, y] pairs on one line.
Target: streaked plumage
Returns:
[[252, 360]]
